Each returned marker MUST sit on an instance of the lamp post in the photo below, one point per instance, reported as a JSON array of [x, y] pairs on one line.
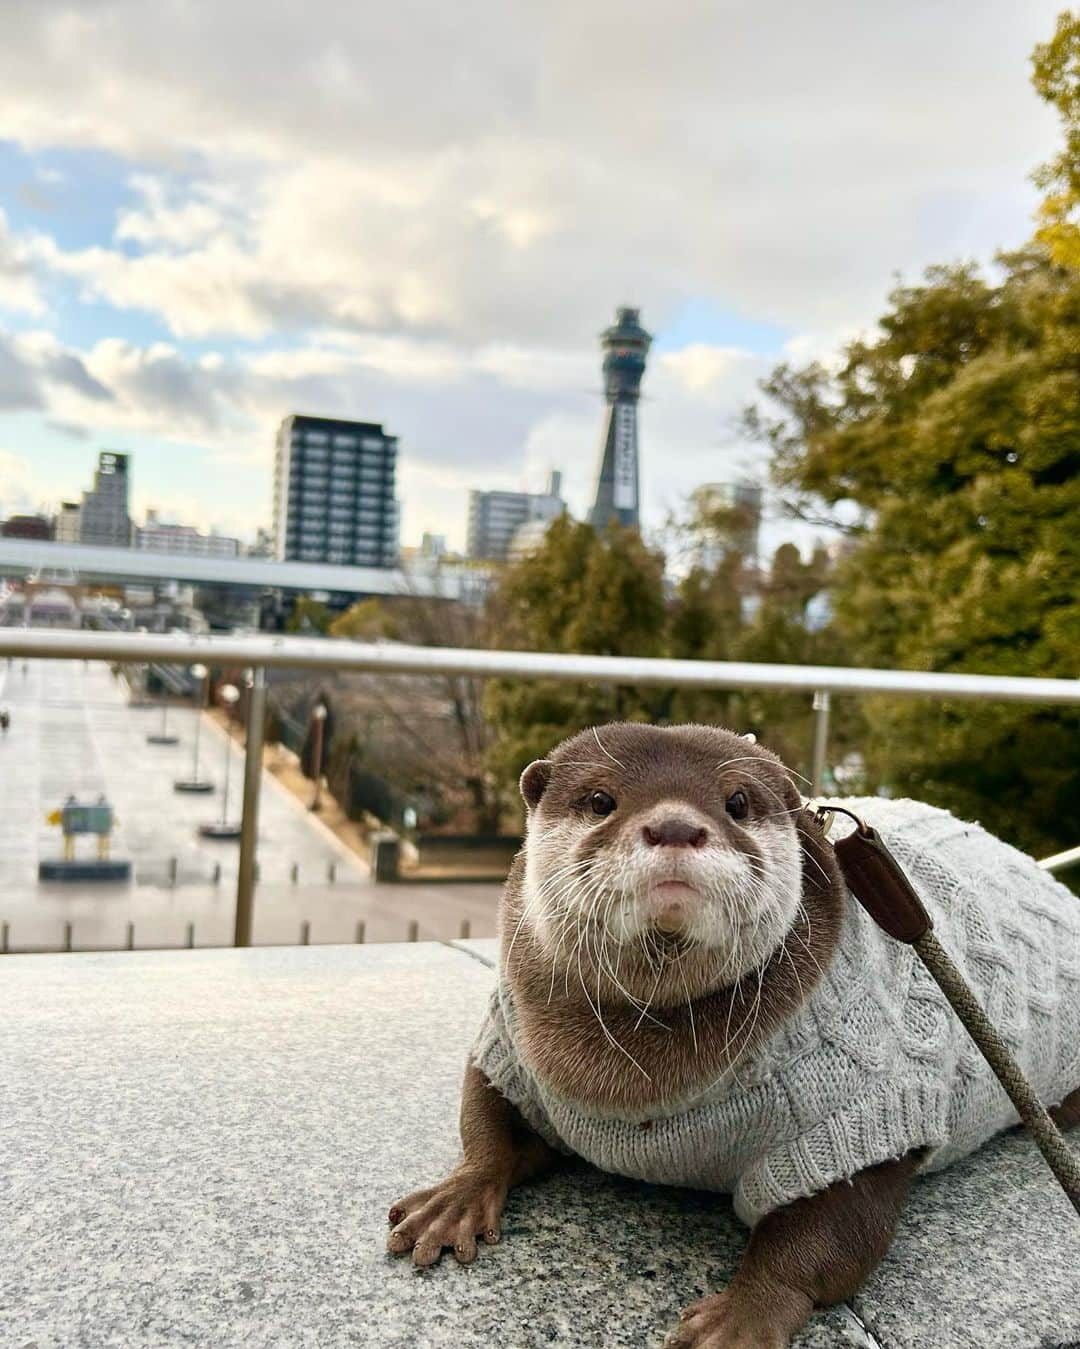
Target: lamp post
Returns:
[[163, 736], [318, 717], [195, 783], [229, 695]]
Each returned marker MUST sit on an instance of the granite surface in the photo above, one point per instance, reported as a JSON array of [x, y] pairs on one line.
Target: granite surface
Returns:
[[200, 1147]]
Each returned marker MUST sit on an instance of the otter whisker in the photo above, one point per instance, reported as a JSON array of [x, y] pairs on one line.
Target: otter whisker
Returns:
[[603, 1027], [811, 858], [690, 1009], [534, 901], [604, 750], [656, 985]]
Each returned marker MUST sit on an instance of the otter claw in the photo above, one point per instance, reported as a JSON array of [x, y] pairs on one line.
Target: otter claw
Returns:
[[449, 1217]]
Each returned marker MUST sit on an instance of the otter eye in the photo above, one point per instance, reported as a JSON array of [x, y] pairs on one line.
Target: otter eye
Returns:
[[738, 807], [601, 804]]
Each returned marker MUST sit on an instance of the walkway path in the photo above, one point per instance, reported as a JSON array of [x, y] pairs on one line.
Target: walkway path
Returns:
[[74, 732]]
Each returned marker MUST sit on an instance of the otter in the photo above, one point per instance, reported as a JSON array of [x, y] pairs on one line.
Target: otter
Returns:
[[688, 994]]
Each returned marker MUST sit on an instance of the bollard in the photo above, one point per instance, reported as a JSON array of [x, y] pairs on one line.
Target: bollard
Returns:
[[305, 933], [217, 873], [331, 872], [359, 931], [4, 927], [466, 928], [385, 856], [131, 937], [172, 872], [294, 874], [414, 929], [190, 936], [67, 937]]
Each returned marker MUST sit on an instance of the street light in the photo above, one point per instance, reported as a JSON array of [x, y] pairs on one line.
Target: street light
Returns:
[[229, 695], [163, 737], [318, 717], [195, 783]]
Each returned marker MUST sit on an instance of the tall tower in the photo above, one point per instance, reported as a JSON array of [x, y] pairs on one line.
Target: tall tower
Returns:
[[625, 345]]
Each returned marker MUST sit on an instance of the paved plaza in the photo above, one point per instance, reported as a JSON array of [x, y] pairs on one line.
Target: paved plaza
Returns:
[[74, 732], [200, 1148]]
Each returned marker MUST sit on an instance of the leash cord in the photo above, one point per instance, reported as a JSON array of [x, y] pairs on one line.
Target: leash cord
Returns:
[[880, 884], [1059, 1156]]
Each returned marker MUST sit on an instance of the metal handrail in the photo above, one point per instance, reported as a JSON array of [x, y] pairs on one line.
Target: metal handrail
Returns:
[[262, 650], [1061, 861]]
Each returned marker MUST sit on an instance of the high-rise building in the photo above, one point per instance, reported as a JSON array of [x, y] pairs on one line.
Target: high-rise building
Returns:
[[625, 345], [334, 493], [67, 523], [103, 516], [495, 517]]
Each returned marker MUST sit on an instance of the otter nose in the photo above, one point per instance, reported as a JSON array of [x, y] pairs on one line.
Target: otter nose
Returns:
[[675, 833]]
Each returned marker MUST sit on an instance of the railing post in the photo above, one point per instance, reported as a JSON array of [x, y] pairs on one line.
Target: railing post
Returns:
[[249, 821], [821, 740]]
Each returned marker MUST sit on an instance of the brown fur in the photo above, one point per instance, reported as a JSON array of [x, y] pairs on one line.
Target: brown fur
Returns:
[[1067, 1114], [563, 1037], [500, 1151], [811, 1253]]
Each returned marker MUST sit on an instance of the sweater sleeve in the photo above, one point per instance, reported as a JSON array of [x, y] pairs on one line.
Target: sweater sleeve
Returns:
[[495, 1054], [894, 1118]]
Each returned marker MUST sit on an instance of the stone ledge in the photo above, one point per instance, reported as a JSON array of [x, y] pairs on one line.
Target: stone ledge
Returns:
[[201, 1146]]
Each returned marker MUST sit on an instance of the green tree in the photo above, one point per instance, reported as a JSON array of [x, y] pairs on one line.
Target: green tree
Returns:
[[953, 439], [1056, 76], [583, 592], [310, 616]]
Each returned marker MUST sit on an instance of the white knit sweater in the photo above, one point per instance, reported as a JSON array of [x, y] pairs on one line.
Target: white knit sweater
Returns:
[[875, 1063]]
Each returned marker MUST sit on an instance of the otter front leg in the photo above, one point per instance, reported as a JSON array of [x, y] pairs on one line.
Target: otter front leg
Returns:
[[500, 1151], [811, 1253]]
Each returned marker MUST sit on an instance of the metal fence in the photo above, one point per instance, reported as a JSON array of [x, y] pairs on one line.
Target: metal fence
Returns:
[[259, 652]]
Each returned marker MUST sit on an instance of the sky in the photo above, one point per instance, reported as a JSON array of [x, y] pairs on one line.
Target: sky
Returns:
[[213, 215]]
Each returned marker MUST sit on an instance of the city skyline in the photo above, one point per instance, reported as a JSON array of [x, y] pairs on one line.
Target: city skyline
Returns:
[[184, 260]]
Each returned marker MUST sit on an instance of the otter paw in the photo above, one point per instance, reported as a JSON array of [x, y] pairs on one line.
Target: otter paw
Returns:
[[451, 1215], [727, 1321]]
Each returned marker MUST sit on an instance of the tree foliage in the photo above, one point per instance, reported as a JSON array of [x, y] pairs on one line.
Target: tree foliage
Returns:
[[605, 594], [954, 438], [1056, 76], [430, 744], [586, 592]]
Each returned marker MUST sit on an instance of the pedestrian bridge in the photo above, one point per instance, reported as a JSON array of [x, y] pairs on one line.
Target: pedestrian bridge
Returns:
[[18, 557]]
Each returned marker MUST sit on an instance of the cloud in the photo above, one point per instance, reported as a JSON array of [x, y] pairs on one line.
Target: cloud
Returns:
[[491, 417], [430, 233], [699, 367], [18, 282], [21, 492], [522, 169]]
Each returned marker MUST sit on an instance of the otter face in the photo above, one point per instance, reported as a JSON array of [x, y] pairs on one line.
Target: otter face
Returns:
[[644, 841]]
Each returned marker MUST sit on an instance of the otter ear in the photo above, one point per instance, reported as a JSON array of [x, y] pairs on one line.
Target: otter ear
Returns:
[[534, 782]]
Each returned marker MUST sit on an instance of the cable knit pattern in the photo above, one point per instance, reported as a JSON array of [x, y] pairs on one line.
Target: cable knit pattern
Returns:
[[875, 1063]]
